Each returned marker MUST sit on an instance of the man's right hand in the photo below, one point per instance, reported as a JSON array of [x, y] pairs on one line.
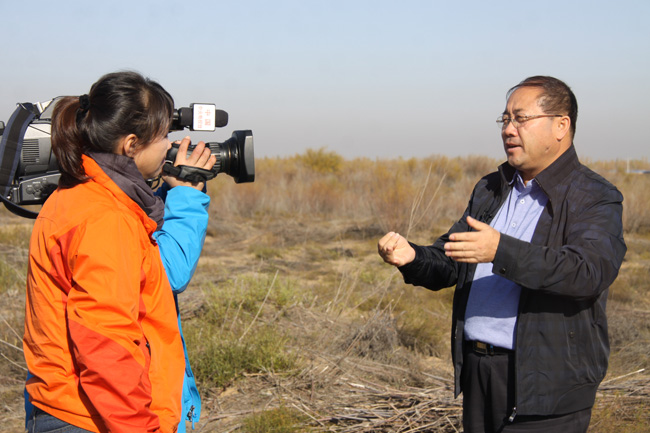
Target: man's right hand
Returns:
[[395, 249]]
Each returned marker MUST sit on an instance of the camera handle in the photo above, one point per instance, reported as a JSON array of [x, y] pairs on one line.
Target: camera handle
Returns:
[[188, 173], [11, 144]]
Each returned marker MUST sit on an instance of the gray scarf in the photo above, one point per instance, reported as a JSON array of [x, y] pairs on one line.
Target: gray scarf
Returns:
[[123, 171]]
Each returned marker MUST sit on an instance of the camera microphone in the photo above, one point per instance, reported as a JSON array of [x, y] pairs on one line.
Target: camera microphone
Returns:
[[199, 117], [221, 119]]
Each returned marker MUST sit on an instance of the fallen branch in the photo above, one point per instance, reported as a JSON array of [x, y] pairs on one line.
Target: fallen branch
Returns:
[[621, 377]]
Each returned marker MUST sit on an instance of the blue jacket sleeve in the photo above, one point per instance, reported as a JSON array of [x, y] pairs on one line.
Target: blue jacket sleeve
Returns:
[[181, 238]]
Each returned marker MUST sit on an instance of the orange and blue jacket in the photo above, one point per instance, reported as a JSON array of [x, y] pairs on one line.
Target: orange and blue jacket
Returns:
[[101, 334]]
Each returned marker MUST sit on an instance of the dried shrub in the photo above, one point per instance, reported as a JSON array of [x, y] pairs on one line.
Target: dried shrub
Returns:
[[278, 420], [376, 339], [321, 161]]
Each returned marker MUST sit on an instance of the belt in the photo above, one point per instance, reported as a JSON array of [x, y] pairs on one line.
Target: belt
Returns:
[[486, 349]]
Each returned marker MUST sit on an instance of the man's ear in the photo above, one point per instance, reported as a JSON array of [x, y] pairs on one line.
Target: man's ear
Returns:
[[562, 127], [127, 145]]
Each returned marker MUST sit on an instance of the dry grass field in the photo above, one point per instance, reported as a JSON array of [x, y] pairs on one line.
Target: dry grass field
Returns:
[[294, 324]]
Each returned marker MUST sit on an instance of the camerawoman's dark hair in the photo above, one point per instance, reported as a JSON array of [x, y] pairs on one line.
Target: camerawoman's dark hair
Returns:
[[119, 104], [556, 98]]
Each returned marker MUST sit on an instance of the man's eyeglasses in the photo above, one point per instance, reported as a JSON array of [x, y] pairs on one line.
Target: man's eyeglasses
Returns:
[[518, 120]]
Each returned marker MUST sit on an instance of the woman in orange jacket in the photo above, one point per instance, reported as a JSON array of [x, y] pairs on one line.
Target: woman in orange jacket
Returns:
[[101, 334]]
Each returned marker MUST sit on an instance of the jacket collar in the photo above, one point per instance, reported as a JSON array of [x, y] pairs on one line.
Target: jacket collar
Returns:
[[94, 171], [552, 175]]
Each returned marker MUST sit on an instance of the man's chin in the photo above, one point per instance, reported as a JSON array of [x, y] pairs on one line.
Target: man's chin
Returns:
[[514, 161]]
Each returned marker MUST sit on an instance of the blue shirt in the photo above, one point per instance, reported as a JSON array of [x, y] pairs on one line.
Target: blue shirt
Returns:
[[491, 314]]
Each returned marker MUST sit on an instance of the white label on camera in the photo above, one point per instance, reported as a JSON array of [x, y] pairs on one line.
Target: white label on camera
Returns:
[[204, 116]]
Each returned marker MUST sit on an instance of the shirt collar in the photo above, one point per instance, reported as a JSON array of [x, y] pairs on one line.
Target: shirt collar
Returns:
[[518, 182], [549, 178]]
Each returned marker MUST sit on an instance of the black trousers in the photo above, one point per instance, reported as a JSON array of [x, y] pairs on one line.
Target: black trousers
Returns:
[[488, 400]]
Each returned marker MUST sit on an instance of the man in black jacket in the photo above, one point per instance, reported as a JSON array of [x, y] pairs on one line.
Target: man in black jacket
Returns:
[[532, 259]]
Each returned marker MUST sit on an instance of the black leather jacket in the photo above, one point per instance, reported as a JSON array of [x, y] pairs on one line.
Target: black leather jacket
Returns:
[[561, 346]]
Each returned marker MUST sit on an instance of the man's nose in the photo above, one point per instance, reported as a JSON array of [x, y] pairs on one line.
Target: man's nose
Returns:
[[509, 130]]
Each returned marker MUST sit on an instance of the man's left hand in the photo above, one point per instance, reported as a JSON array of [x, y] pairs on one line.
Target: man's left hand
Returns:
[[478, 246]]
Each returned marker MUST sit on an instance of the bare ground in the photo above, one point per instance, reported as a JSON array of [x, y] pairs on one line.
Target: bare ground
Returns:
[[354, 374]]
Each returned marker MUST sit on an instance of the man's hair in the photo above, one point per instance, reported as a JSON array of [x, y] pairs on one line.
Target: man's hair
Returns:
[[556, 97]]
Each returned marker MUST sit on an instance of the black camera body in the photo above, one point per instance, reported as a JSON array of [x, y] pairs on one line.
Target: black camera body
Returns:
[[29, 172]]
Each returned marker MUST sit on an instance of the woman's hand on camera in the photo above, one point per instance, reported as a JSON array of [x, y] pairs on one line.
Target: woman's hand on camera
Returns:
[[200, 158]]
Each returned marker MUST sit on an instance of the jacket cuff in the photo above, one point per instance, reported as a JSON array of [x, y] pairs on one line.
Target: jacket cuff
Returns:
[[416, 264], [505, 260]]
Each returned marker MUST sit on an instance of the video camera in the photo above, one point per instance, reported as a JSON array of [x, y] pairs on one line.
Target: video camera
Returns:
[[234, 156], [29, 172]]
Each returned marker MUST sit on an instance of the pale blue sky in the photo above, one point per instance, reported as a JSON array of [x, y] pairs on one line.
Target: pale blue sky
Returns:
[[362, 78]]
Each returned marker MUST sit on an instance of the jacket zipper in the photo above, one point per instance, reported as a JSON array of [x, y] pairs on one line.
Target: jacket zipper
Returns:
[[512, 415]]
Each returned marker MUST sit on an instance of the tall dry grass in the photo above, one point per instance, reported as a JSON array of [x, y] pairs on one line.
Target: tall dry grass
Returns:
[[380, 192], [323, 185]]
